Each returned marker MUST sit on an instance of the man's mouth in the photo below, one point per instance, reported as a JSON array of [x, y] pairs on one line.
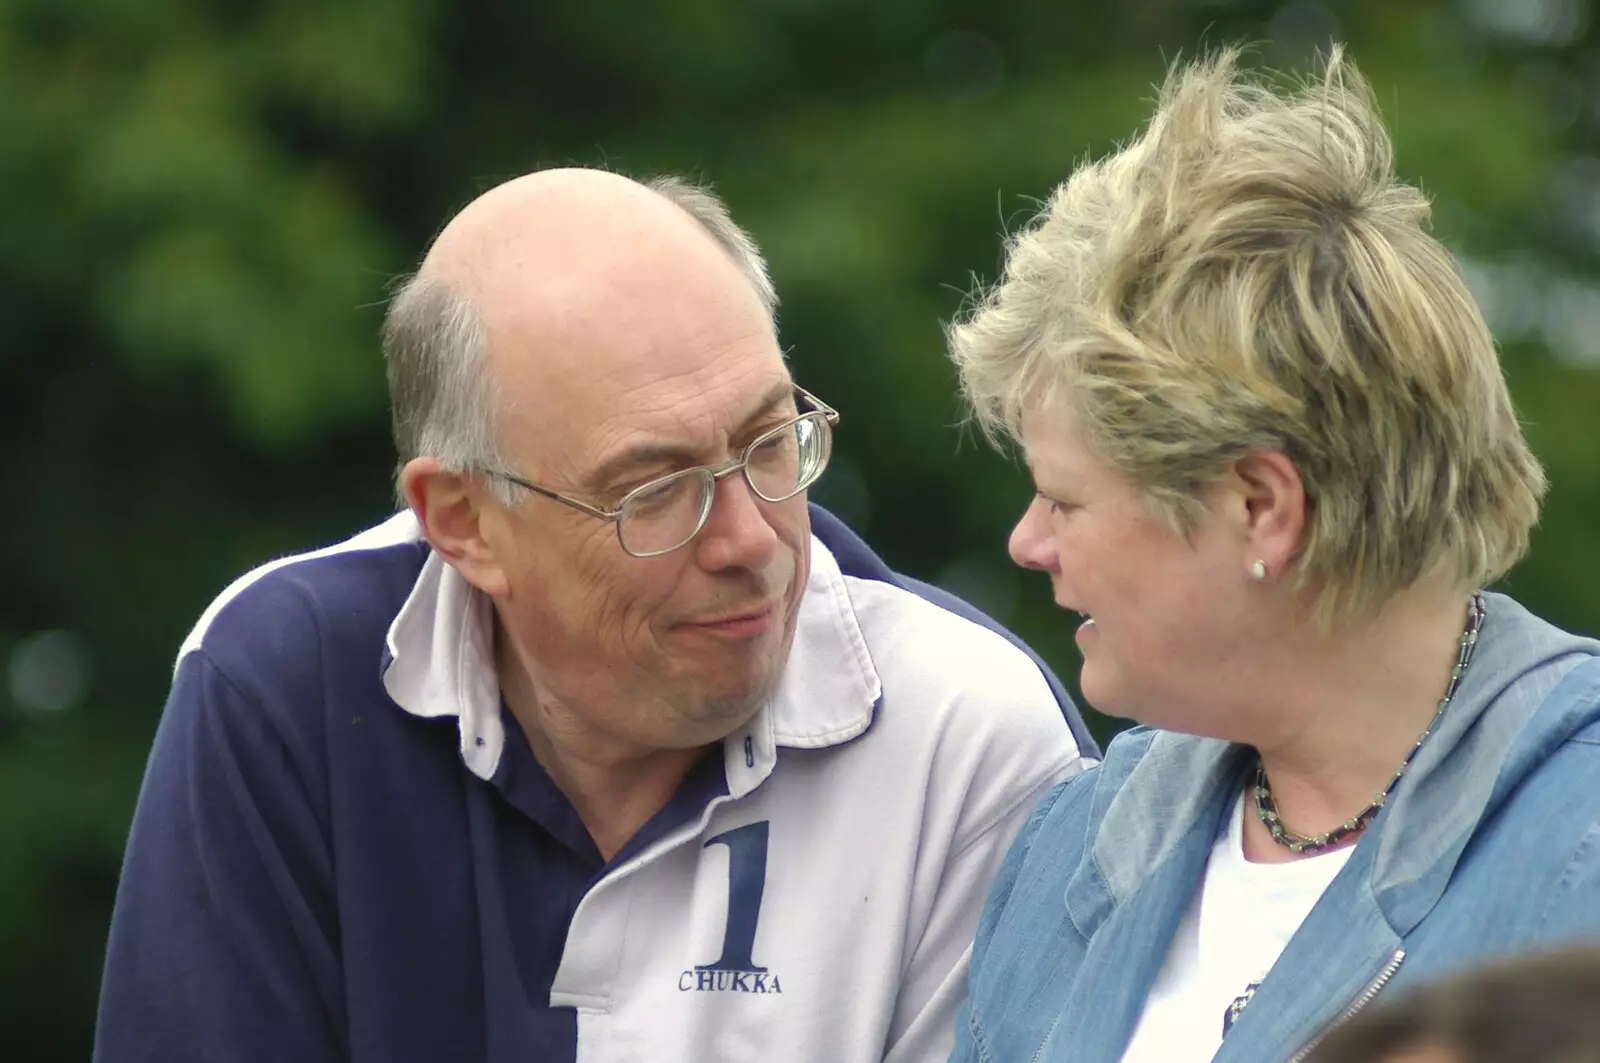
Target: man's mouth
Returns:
[[737, 623]]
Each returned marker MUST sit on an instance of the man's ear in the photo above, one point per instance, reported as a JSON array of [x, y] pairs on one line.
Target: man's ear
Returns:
[[1272, 507], [452, 508]]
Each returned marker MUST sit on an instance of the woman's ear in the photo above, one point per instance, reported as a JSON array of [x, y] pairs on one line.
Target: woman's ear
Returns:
[[1271, 509]]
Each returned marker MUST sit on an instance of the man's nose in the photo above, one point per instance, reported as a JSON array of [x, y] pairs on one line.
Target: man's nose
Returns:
[[738, 533]]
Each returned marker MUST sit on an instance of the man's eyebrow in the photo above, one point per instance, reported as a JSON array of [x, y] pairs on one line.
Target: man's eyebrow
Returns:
[[641, 456], [656, 455], [780, 394]]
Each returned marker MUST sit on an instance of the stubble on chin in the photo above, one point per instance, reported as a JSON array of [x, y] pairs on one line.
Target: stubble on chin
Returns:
[[725, 711]]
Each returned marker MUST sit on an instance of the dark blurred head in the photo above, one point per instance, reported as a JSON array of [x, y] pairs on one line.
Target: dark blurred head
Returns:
[[1542, 1008]]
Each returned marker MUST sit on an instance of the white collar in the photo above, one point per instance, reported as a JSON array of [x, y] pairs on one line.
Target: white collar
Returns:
[[440, 662]]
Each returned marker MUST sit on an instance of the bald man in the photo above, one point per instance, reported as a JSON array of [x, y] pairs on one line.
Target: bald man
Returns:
[[607, 747]]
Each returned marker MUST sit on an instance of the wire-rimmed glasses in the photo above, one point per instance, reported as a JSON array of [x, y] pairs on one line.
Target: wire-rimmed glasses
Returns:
[[666, 513]]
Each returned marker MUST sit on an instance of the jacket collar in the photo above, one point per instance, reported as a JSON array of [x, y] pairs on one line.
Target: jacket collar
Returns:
[[1157, 798], [1157, 788], [1489, 738], [439, 661], [1160, 799]]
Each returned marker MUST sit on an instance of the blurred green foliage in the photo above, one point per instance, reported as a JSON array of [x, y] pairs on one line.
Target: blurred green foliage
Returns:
[[204, 200]]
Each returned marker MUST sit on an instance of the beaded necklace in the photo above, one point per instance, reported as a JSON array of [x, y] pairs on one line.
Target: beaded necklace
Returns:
[[1267, 809]]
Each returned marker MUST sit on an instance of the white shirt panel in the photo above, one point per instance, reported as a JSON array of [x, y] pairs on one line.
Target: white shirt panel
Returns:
[[901, 754], [1242, 916]]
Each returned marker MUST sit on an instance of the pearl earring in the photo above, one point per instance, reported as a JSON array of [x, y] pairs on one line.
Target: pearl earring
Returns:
[[1258, 570]]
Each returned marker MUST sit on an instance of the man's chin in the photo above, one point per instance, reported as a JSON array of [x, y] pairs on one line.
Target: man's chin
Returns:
[[739, 701], [724, 686], [732, 703]]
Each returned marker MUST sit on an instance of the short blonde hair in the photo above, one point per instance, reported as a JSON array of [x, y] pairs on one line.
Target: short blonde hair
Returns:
[[1249, 274]]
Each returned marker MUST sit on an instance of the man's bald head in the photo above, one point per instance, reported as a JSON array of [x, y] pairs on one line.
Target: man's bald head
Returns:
[[532, 252], [575, 218]]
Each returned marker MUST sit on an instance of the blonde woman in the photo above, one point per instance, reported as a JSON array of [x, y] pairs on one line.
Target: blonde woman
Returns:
[[1276, 464]]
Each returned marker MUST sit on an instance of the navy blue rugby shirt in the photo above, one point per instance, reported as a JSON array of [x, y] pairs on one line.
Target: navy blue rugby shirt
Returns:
[[234, 827]]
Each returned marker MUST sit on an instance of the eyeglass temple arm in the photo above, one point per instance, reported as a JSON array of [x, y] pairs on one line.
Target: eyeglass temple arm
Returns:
[[593, 511], [822, 407]]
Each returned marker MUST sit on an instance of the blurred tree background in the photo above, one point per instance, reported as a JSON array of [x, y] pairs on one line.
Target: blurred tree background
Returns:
[[202, 202]]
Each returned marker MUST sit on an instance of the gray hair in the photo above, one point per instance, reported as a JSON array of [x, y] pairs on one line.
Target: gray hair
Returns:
[[703, 205], [445, 404]]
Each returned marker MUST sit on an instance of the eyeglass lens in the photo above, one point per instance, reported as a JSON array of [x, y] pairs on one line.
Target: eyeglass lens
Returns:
[[668, 513]]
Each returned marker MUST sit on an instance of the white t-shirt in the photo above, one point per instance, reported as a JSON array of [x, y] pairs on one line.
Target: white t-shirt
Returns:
[[1240, 919]]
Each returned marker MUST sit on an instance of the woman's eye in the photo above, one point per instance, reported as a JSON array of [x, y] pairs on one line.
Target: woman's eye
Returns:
[[1055, 504]]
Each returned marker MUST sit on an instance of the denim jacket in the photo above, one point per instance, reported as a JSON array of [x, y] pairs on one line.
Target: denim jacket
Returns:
[[1489, 844]]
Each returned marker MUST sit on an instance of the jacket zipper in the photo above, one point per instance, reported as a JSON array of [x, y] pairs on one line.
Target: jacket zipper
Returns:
[[1373, 989]]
